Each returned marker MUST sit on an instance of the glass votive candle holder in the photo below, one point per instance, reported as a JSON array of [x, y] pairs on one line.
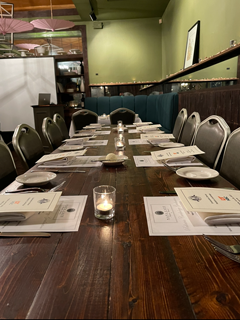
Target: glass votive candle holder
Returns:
[[120, 130], [104, 198], [119, 143], [120, 123]]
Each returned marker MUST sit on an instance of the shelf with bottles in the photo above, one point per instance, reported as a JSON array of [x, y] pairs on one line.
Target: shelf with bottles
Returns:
[[73, 98], [71, 85], [70, 68]]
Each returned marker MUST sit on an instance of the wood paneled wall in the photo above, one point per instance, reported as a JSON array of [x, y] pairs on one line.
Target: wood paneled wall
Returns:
[[222, 101]]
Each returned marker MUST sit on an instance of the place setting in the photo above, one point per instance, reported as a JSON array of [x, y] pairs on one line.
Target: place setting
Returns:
[[112, 160], [174, 159]]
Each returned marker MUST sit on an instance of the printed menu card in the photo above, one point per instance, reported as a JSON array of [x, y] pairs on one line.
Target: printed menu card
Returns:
[[215, 206], [214, 200], [176, 153], [29, 202]]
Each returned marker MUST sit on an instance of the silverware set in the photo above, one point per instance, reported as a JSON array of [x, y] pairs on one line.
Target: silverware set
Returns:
[[35, 189], [153, 144], [229, 251]]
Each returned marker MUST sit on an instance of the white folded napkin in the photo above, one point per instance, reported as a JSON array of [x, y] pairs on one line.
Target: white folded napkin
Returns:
[[219, 219], [182, 159], [15, 216]]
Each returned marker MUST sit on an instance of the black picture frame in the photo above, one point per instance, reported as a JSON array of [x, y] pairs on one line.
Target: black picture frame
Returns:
[[192, 46]]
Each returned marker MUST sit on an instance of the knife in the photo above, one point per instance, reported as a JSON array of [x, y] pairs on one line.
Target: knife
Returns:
[[24, 234]]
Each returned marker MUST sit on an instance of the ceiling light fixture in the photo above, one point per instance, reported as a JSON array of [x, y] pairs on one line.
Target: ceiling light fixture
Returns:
[[52, 24], [92, 14]]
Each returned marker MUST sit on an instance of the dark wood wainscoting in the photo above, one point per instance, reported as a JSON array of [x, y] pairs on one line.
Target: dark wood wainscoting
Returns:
[[223, 101]]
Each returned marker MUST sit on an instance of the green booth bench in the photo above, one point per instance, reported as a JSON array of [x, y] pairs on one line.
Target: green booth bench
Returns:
[[161, 109]]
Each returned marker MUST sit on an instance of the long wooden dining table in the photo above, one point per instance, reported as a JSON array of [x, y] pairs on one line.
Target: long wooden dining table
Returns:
[[114, 269]]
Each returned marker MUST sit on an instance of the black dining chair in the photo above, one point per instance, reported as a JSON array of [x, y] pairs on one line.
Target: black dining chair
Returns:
[[83, 118], [179, 124], [8, 171], [52, 133], [27, 145], [125, 115], [231, 159], [58, 119], [211, 137], [190, 128]]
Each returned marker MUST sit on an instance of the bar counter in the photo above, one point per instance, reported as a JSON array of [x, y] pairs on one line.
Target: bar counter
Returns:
[[114, 269]]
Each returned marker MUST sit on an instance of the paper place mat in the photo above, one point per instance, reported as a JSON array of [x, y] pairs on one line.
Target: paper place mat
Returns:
[[102, 133], [134, 142], [78, 162], [61, 155], [66, 217], [95, 143], [157, 136], [176, 153], [148, 161], [130, 126], [166, 216], [150, 127], [133, 131], [142, 124]]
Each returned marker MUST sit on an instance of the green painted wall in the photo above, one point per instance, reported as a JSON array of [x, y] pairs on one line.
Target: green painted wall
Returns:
[[219, 24], [125, 51]]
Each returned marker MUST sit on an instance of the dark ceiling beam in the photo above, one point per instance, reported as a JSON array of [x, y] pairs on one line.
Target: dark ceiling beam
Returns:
[[45, 13]]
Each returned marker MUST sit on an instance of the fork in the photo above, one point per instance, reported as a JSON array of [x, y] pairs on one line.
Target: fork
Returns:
[[34, 190], [227, 254], [174, 169], [233, 249]]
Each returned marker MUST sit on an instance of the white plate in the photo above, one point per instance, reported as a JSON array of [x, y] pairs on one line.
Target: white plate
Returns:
[[72, 147], [118, 162], [36, 178], [196, 173], [171, 145]]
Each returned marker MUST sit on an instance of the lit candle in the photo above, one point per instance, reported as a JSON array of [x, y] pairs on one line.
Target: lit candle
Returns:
[[120, 144], [104, 208]]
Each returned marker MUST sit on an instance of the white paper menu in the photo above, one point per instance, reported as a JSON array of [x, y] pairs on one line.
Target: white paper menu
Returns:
[[213, 200], [176, 153], [29, 202]]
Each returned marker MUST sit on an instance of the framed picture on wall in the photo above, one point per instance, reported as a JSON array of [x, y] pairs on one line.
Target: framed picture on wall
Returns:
[[192, 48]]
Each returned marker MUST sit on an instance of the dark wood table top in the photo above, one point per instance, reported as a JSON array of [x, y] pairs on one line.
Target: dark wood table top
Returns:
[[115, 269]]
